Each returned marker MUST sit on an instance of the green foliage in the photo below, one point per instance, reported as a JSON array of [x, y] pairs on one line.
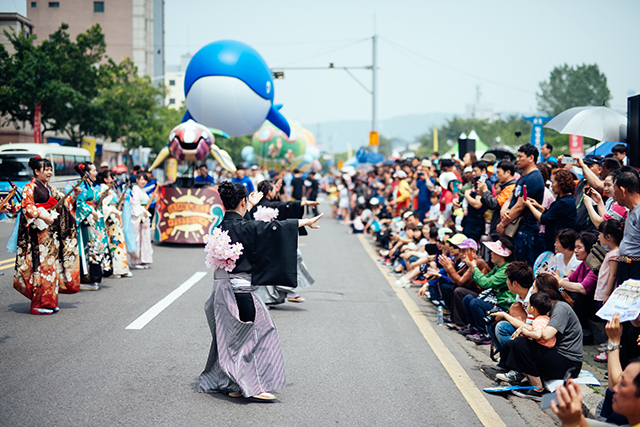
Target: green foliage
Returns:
[[59, 74], [494, 133], [234, 146], [570, 87]]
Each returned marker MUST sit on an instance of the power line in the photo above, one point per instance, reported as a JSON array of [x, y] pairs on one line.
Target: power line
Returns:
[[456, 69], [319, 52]]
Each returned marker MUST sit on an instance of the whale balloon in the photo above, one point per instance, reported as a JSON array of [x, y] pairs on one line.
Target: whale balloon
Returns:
[[228, 86]]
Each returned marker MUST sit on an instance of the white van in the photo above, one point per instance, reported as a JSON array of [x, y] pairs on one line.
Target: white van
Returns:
[[14, 163]]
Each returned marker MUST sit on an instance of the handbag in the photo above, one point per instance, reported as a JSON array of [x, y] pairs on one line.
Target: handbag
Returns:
[[595, 258], [512, 228], [489, 295]]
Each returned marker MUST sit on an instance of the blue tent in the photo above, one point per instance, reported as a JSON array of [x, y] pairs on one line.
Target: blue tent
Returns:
[[365, 157], [603, 148]]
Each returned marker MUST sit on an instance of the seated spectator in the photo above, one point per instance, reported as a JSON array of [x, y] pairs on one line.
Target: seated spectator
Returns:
[[523, 357], [539, 306], [495, 291], [519, 282], [581, 284], [562, 213], [564, 248]]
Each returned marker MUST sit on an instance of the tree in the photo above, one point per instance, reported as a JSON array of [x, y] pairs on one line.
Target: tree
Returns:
[[60, 75], [569, 87], [129, 107]]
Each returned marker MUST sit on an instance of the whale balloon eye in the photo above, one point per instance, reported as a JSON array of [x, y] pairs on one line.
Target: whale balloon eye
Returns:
[[268, 87]]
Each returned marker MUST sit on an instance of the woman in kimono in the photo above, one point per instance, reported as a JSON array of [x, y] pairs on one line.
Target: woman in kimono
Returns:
[[47, 259], [273, 295], [141, 220], [245, 358], [113, 223], [93, 244]]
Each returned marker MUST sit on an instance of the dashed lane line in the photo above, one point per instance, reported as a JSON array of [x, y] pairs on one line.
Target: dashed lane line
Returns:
[[165, 302], [478, 403]]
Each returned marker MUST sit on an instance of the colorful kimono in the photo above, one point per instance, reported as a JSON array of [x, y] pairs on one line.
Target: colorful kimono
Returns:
[[46, 260], [93, 244], [117, 244], [141, 227], [245, 354]]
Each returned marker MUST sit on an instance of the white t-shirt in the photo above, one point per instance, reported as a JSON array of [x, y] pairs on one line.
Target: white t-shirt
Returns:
[[563, 268]]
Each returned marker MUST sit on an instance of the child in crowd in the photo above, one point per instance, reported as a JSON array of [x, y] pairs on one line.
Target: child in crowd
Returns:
[[539, 307], [434, 214]]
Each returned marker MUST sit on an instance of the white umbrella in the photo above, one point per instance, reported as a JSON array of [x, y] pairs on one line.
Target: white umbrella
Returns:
[[599, 123]]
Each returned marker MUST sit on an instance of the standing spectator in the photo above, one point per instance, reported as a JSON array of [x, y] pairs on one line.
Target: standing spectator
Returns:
[[297, 185], [506, 183], [609, 210], [425, 185], [620, 153], [562, 213], [243, 179], [526, 238], [545, 153], [474, 222], [402, 197], [312, 192], [627, 189], [203, 176]]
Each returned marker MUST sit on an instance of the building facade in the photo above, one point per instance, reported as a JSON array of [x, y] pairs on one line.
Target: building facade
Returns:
[[132, 28]]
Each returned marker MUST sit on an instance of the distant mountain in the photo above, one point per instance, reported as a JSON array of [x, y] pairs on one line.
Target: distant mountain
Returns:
[[336, 136]]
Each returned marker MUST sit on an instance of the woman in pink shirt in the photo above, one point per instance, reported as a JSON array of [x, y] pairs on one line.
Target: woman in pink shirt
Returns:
[[581, 284]]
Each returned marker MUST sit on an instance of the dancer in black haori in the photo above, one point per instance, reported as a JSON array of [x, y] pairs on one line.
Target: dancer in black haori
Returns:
[[245, 357], [272, 295]]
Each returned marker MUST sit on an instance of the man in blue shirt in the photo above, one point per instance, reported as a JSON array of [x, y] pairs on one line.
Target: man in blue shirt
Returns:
[[545, 154], [526, 238], [203, 176], [243, 179]]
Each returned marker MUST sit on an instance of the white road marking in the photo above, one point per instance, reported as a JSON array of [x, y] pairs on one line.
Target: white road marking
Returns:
[[165, 302]]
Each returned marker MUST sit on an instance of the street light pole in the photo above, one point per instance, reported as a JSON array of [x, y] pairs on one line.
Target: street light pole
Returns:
[[374, 124]]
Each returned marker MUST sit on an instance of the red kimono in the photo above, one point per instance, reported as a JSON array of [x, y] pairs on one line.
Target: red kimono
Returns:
[[47, 260]]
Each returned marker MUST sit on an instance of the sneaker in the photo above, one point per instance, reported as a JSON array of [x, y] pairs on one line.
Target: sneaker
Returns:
[[402, 283], [491, 371], [453, 326], [89, 286], [480, 338], [394, 273], [383, 252], [129, 274], [532, 394], [601, 357], [510, 377], [469, 330]]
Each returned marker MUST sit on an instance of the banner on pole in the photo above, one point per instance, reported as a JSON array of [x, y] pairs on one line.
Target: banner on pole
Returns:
[[575, 146], [537, 132], [37, 118], [90, 145], [374, 138], [185, 215]]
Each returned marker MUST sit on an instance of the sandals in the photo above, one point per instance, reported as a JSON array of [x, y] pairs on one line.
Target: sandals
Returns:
[[601, 357]]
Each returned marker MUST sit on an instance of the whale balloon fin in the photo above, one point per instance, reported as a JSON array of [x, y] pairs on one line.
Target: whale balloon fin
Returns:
[[187, 116], [278, 120], [218, 132], [162, 155], [223, 158], [278, 107]]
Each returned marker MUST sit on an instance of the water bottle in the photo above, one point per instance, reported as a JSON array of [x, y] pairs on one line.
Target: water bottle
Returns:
[[440, 320]]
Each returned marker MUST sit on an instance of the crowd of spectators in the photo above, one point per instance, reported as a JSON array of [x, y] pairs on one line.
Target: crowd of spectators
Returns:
[[466, 233]]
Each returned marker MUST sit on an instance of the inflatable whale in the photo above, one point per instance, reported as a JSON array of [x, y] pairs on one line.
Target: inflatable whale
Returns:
[[228, 86]]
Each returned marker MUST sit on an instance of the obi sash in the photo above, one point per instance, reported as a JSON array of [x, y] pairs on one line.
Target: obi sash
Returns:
[[48, 204]]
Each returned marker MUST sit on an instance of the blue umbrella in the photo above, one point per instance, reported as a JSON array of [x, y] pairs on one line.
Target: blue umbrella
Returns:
[[603, 148]]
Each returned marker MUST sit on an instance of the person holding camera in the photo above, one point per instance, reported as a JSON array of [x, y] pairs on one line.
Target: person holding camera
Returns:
[[495, 291]]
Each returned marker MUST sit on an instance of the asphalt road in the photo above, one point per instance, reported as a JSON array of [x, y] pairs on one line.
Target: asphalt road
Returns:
[[353, 355]]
